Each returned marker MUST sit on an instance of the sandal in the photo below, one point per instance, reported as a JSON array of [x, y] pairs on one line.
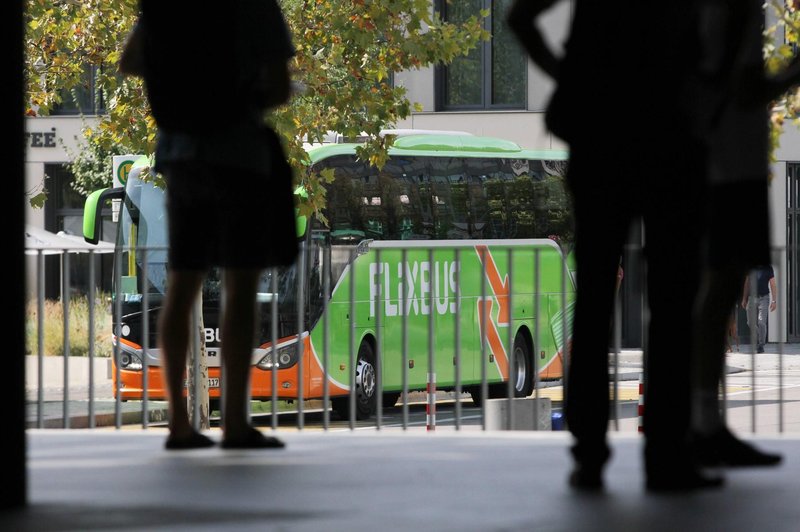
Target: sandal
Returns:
[[253, 439], [194, 441]]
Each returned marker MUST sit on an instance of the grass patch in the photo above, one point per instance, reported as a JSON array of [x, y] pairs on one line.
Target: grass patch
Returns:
[[53, 326]]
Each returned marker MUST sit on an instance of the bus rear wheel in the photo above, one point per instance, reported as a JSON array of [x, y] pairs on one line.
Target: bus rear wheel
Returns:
[[522, 378], [366, 387]]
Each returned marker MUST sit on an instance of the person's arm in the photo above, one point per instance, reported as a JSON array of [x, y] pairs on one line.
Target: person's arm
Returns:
[[773, 288], [746, 291], [521, 19]]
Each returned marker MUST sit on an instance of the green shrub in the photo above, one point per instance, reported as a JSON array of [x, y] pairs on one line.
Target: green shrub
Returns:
[[53, 324]]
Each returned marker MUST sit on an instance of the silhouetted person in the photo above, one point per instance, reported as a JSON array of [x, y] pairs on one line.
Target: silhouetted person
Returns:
[[620, 104], [210, 73], [735, 112]]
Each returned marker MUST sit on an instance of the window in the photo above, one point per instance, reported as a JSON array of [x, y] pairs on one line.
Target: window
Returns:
[[491, 76], [83, 99]]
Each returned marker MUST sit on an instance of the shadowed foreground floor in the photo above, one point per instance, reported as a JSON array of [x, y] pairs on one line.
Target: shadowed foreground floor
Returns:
[[352, 481]]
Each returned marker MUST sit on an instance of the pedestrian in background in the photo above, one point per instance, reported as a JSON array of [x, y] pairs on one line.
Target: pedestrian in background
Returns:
[[766, 301]]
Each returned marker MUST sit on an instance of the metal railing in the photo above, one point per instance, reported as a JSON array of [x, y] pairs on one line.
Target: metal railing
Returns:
[[145, 413]]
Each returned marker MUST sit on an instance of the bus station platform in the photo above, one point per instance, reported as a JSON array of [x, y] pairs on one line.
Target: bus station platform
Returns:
[[101, 479]]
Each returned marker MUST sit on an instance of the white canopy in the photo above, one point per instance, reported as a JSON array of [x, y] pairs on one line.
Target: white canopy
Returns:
[[55, 244]]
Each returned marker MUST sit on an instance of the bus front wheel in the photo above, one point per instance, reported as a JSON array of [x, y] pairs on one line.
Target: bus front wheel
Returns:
[[366, 387]]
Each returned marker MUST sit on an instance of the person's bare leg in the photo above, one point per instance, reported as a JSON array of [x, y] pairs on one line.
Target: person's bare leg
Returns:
[[173, 338], [238, 338]]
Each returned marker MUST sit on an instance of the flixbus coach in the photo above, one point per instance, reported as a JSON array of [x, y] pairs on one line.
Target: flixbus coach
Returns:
[[453, 226]]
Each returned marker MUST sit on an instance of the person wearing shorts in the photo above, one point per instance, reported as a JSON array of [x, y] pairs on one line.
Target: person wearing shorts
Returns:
[[230, 203]]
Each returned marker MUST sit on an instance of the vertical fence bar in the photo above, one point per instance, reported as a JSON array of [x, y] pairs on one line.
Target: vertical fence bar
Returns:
[[301, 309], [536, 304], [723, 384], [145, 340], [65, 302], [457, 332], [91, 333], [752, 312], [274, 347], [404, 335], [352, 342], [484, 393], [564, 340], [617, 343], [511, 360], [117, 297], [40, 338], [781, 332], [379, 342], [326, 338], [431, 403], [197, 308]]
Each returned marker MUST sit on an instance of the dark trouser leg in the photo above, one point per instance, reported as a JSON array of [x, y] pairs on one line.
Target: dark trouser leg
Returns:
[[601, 227]]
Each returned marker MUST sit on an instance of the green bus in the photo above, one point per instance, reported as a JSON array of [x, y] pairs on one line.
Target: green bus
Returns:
[[449, 265]]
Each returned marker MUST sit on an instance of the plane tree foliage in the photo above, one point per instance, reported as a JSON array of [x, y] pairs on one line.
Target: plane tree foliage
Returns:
[[347, 52]]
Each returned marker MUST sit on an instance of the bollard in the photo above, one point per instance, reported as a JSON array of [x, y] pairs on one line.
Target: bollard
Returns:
[[430, 406], [557, 421]]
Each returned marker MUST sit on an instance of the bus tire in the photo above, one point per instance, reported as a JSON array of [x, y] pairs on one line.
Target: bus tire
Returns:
[[390, 399], [366, 387], [523, 381]]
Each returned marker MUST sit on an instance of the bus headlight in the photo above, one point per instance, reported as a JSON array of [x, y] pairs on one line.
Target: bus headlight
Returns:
[[287, 357], [130, 361]]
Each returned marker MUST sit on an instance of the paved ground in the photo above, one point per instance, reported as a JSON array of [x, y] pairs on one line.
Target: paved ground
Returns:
[[366, 481], [107, 479]]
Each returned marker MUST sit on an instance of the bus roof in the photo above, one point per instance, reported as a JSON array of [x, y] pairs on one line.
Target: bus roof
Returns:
[[445, 146]]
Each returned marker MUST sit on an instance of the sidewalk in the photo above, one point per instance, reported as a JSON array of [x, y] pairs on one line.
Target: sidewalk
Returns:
[[105, 407]]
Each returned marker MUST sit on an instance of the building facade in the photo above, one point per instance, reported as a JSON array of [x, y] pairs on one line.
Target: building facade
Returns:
[[494, 91]]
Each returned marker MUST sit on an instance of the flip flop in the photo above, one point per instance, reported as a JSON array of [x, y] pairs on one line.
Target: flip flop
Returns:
[[253, 439], [194, 441]]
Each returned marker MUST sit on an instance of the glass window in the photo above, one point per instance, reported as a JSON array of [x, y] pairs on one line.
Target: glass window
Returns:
[[84, 98], [494, 74]]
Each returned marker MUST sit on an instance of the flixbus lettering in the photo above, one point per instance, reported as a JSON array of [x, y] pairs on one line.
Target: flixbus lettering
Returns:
[[416, 277]]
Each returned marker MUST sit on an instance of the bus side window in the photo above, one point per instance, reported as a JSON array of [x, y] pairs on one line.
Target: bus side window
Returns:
[[343, 209], [521, 195], [449, 199], [475, 176]]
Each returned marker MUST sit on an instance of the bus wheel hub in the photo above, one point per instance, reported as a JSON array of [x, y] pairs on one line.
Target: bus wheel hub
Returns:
[[365, 380]]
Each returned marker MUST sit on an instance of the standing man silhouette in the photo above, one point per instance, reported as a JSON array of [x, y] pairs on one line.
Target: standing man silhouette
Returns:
[[620, 105], [735, 122]]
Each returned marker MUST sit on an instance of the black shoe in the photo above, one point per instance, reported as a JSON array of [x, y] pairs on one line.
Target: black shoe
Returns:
[[194, 441], [586, 478], [723, 448], [253, 439], [760, 349], [680, 479]]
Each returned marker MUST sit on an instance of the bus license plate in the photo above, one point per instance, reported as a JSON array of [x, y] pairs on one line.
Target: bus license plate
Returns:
[[213, 382]]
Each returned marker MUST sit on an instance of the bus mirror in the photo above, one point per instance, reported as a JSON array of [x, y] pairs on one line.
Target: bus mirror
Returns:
[[363, 247], [302, 225], [92, 219]]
